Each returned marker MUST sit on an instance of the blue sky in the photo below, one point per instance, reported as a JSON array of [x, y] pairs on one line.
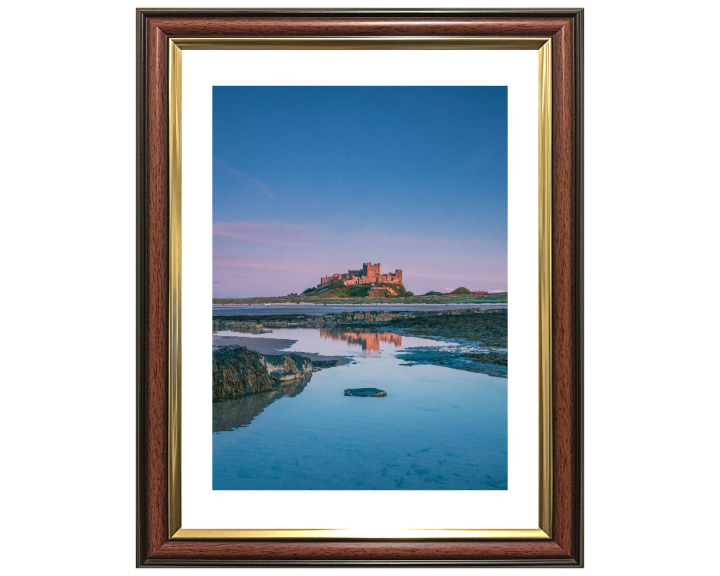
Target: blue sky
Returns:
[[309, 181]]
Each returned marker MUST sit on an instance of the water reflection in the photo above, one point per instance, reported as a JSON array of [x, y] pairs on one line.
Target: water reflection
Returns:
[[369, 341], [240, 412], [437, 429]]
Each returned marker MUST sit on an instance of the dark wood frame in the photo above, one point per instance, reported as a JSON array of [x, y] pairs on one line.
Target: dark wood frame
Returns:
[[154, 28]]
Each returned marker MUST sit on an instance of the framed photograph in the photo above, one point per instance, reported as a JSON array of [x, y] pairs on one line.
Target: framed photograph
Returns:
[[380, 214]]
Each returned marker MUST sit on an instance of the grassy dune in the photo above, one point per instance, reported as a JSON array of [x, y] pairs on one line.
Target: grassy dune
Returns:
[[357, 291]]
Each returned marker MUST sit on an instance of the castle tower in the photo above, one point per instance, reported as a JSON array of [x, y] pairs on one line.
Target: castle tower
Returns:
[[371, 270]]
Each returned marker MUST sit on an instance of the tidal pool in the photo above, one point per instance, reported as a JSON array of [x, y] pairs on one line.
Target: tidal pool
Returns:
[[437, 429]]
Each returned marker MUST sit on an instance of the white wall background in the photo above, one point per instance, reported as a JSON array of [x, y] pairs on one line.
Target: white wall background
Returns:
[[68, 233]]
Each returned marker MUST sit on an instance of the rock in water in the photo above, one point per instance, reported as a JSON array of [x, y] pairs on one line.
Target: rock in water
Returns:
[[238, 372], [366, 392]]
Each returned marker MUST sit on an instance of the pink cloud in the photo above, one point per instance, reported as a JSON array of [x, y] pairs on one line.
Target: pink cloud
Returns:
[[277, 233]]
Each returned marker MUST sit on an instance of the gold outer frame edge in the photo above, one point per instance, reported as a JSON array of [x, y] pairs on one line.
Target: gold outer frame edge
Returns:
[[544, 48]]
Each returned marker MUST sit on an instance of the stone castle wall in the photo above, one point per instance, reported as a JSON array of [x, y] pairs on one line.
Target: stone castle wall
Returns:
[[370, 274]]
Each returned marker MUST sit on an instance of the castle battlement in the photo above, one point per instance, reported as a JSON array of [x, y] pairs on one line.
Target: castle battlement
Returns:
[[370, 274]]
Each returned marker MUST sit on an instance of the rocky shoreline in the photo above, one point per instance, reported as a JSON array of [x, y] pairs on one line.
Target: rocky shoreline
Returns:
[[480, 335], [469, 322]]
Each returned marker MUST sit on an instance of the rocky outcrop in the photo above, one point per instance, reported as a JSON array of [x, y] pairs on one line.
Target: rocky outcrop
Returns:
[[366, 392], [236, 372], [239, 372]]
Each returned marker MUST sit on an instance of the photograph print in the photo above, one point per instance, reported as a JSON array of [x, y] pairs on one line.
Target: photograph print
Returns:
[[360, 293]]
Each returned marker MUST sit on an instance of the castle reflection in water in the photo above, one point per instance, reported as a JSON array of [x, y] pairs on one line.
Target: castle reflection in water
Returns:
[[369, 341]]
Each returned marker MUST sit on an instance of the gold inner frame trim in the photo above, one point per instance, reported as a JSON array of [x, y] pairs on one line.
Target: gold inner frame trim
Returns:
[[175, 277], [350, 534], [544, 48], [545, 281]]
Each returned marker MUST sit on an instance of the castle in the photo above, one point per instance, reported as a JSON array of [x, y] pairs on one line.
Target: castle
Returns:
[[369, 274]]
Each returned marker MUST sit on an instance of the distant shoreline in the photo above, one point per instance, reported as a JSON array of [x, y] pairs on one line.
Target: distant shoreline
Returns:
[[292, 300], [355, 304]]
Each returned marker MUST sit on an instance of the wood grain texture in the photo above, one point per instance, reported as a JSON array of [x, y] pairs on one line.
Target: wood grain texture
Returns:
[[563, 325], [285, 27], [155, 277], [154, 28]]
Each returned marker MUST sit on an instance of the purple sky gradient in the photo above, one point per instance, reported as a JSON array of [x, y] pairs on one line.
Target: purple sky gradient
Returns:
[[310, 181], [281, 258]]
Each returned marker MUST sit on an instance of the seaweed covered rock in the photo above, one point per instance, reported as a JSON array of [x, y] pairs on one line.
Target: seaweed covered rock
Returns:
[[491, 362], [366, 392], [238, 372], [233, 325]]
